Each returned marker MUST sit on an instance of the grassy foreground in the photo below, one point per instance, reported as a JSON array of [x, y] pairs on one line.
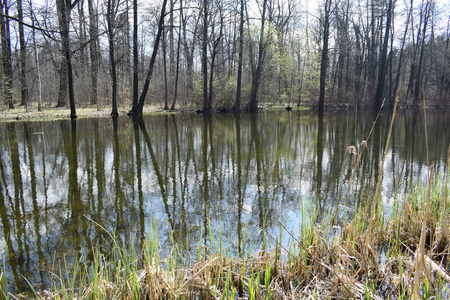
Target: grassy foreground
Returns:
[[375, 256]]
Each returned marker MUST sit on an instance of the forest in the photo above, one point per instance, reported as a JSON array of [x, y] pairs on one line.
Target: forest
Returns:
[[224, 55], [351, 204]]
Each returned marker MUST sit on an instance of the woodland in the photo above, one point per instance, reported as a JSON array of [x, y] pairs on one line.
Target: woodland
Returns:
[[224, 55], [227, 56]]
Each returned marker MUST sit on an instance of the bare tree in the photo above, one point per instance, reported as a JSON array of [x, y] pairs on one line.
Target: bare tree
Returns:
[[164, 54], [324, 54], [36, 57], [400, 58], [342, 59], [189, 48], [6, 53], [213, 57], [177, 72], [23, 57], [257, 69], [135, 53], [424, 18], [237, 105], [112, 23], [93, 49], [378, 99], [137, 109], [64, 7], [206, 104]]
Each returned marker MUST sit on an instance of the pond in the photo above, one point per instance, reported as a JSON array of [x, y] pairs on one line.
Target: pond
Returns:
[[244, 179]]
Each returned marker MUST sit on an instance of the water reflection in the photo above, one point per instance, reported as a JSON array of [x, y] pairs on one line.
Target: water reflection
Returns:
[[61, 182]]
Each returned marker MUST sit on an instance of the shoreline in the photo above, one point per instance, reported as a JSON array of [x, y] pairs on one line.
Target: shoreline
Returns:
[[19, 114], [52, 113]]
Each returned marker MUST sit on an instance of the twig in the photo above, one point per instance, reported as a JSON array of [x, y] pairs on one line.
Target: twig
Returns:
[[196, 274]]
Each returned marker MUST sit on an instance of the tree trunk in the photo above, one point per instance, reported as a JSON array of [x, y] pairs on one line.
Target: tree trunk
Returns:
[[110, 21], [82, 35], [36, 59], [237, 105], [94, 50], [137, 109], [189, 53], [256, 75], [426, 16], [6, 54], [64, 8], [23, 57], [135, 54], [213, 59], [358, 65], [128, 49], [171, 49], [324, 56], [413, 67], [177, 72], [400, 58], [206, 104], [164, 54], [62, 91], [378, 99], [371, 52], [443, 87]]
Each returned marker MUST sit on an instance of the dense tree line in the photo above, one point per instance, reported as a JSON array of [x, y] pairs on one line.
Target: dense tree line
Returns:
[[223, 55]]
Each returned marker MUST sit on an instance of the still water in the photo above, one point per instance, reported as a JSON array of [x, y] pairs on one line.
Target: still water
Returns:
[[246, 174]]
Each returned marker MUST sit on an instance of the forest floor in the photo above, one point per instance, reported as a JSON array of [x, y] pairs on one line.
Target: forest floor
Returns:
[[50, 113]]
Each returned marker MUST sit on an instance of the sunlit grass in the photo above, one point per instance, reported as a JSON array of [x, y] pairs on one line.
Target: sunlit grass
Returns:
[[50, 113]]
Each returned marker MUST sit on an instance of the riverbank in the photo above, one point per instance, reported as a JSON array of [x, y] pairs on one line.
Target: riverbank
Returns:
[[403, 255], [53, 113]]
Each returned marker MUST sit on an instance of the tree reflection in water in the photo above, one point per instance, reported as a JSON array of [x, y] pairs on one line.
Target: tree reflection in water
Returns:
[[231, 175]]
